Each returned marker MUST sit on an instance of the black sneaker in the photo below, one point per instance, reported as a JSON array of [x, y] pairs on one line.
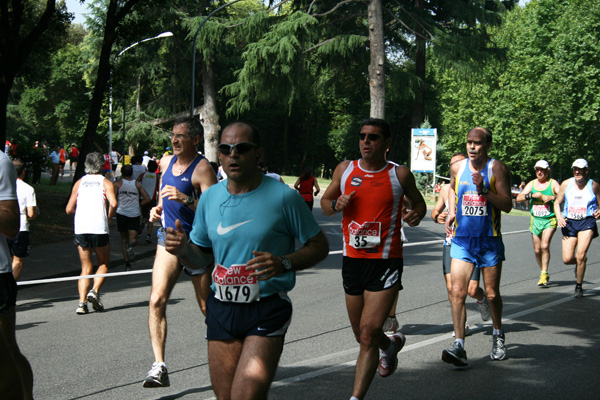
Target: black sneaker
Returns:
[[578, 292], [94, 298], [456, 355], [128, 266], [157, 376]]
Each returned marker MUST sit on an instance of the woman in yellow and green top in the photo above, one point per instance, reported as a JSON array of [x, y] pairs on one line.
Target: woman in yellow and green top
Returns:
[[541, 193]]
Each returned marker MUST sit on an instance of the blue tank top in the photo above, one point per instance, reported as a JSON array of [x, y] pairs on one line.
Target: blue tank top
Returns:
[[172, 209], [475, 216]]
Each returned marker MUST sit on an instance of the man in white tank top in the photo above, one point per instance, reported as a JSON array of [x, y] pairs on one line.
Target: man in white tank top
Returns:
[[580, 196], [128, 194]]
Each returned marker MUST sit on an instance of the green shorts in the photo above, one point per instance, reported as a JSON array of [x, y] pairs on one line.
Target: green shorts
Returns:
[[539, 225]]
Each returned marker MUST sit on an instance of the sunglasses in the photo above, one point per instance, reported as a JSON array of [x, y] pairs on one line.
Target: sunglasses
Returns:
[[240, 148], [373, 137]]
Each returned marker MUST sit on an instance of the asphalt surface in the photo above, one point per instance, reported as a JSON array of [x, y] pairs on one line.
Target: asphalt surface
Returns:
[[553, 340]]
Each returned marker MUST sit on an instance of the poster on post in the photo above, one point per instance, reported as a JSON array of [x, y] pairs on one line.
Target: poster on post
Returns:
[[423, 150]]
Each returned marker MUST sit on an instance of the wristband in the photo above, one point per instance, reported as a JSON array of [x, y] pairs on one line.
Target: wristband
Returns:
[[528, 196], [436, 218]]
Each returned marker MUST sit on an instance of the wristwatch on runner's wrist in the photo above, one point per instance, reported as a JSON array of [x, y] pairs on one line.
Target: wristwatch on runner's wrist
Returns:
[[287, 264], [484, 190], [189, 201], [333, 203]]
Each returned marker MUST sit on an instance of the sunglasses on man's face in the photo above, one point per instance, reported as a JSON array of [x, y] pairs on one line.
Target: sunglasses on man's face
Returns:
[[240, 148], [373, 137]]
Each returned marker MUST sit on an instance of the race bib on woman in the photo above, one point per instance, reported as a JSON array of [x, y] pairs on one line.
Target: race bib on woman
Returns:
[[235, 285], [367, 235]]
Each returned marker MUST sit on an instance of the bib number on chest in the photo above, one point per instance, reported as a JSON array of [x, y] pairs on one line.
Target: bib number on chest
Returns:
[[235, 285], [540, 210], [365, 236], [474, 205], [576, 212]]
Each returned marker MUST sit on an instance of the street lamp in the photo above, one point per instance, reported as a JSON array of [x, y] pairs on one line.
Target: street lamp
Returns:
[[194, 50], [110, 99]]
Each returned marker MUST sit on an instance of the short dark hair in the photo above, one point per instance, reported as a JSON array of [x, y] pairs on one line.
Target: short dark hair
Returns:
[[137, 159], [381, 123], [127, 171], [19, 166], [152, 165], [193, 124], [255, 134]]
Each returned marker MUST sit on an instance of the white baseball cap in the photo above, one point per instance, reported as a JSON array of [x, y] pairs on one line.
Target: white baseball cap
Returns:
[[145, 153], [579, 163], [542, 164]]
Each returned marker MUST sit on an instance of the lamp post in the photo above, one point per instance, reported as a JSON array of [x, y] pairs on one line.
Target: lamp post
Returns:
[[194, 50], [110, 98]]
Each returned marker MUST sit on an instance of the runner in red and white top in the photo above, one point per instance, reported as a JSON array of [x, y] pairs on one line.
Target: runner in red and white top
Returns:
[[370, 192]]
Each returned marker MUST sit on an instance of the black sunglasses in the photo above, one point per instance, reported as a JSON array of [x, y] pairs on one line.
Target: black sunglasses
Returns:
[[240, 148], [373, 137]]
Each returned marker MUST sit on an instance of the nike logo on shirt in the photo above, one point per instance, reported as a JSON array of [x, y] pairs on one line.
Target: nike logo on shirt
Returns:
[[222, 231]]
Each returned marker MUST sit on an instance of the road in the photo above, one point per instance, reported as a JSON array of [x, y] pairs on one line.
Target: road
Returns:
[[553, 340]]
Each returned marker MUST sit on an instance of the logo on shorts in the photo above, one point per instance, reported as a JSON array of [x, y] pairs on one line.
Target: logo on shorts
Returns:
[[356, 181]]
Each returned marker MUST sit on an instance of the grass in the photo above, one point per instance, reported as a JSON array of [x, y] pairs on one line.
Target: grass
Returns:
[[53, 224]]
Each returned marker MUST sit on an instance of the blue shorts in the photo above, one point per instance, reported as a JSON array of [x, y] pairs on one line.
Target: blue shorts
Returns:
[[447, 262], [271, 317], [373, 275], [480, 251], [575, 225]]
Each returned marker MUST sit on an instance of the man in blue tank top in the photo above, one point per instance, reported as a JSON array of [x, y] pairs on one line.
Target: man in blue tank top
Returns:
[[185, 175], [481, 187], [246, 226]]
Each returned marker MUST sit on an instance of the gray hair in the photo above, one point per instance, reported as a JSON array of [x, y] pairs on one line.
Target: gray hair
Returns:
[[94, 163]]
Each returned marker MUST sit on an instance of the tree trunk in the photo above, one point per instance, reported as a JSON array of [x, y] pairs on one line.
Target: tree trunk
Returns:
[[377, 64], [418, 112], [209, 117]]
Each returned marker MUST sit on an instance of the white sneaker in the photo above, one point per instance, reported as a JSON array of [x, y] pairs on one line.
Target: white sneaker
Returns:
[[484, 308]]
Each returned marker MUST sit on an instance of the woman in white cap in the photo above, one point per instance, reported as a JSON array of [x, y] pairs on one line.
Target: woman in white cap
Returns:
[[580, 196], [541, 193]]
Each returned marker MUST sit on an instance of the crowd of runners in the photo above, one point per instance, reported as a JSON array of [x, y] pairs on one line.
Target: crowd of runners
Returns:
[[236, 238]]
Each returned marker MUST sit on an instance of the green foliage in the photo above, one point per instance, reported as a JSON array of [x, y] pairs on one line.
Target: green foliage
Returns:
[[541, 100]]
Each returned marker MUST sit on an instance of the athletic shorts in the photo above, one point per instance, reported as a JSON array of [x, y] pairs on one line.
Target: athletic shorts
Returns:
[[125, 223], [147, 207], [105, 171], [481, 251], [92, 240], [161, 234], [19, 246], [447, 262], [72, 159], [8, 292], [578, 225], [539, 225], [270, 317], [373, 275], [114, 167]]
